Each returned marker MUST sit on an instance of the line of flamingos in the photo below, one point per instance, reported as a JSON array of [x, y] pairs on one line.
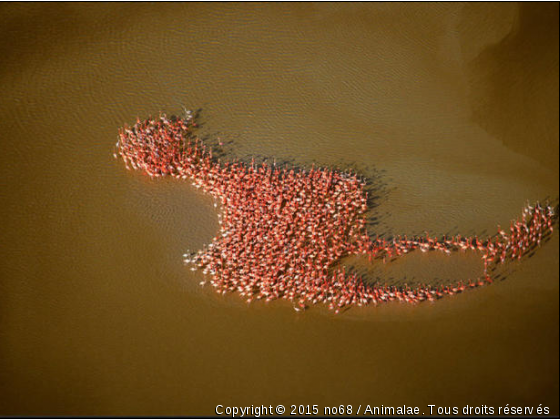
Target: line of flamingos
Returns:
[[282, 230]]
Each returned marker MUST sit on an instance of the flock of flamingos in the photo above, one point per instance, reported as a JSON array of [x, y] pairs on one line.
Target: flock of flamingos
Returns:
[[282, 230]]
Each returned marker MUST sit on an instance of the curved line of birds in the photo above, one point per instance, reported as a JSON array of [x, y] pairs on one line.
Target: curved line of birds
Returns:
[[283, 230]]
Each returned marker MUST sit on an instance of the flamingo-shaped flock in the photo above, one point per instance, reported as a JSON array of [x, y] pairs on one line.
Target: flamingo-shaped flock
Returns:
[[283, 230]]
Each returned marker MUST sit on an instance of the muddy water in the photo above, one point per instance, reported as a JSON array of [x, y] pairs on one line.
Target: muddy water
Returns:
[[449, 110]]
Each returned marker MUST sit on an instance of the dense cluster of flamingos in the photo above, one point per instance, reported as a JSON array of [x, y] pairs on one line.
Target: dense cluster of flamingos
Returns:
[[282, 230]]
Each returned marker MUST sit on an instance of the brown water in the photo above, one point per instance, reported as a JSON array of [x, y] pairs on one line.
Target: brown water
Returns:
[[450, 110]]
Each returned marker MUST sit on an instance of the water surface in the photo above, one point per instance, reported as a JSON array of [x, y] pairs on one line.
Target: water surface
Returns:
[[449, 110]]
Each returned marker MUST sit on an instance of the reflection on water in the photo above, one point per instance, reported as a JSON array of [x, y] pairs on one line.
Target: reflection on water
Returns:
[[450, 108], [516, 102]]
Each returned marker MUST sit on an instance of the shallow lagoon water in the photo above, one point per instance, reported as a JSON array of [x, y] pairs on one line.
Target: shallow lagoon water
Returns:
[[451, 112]]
